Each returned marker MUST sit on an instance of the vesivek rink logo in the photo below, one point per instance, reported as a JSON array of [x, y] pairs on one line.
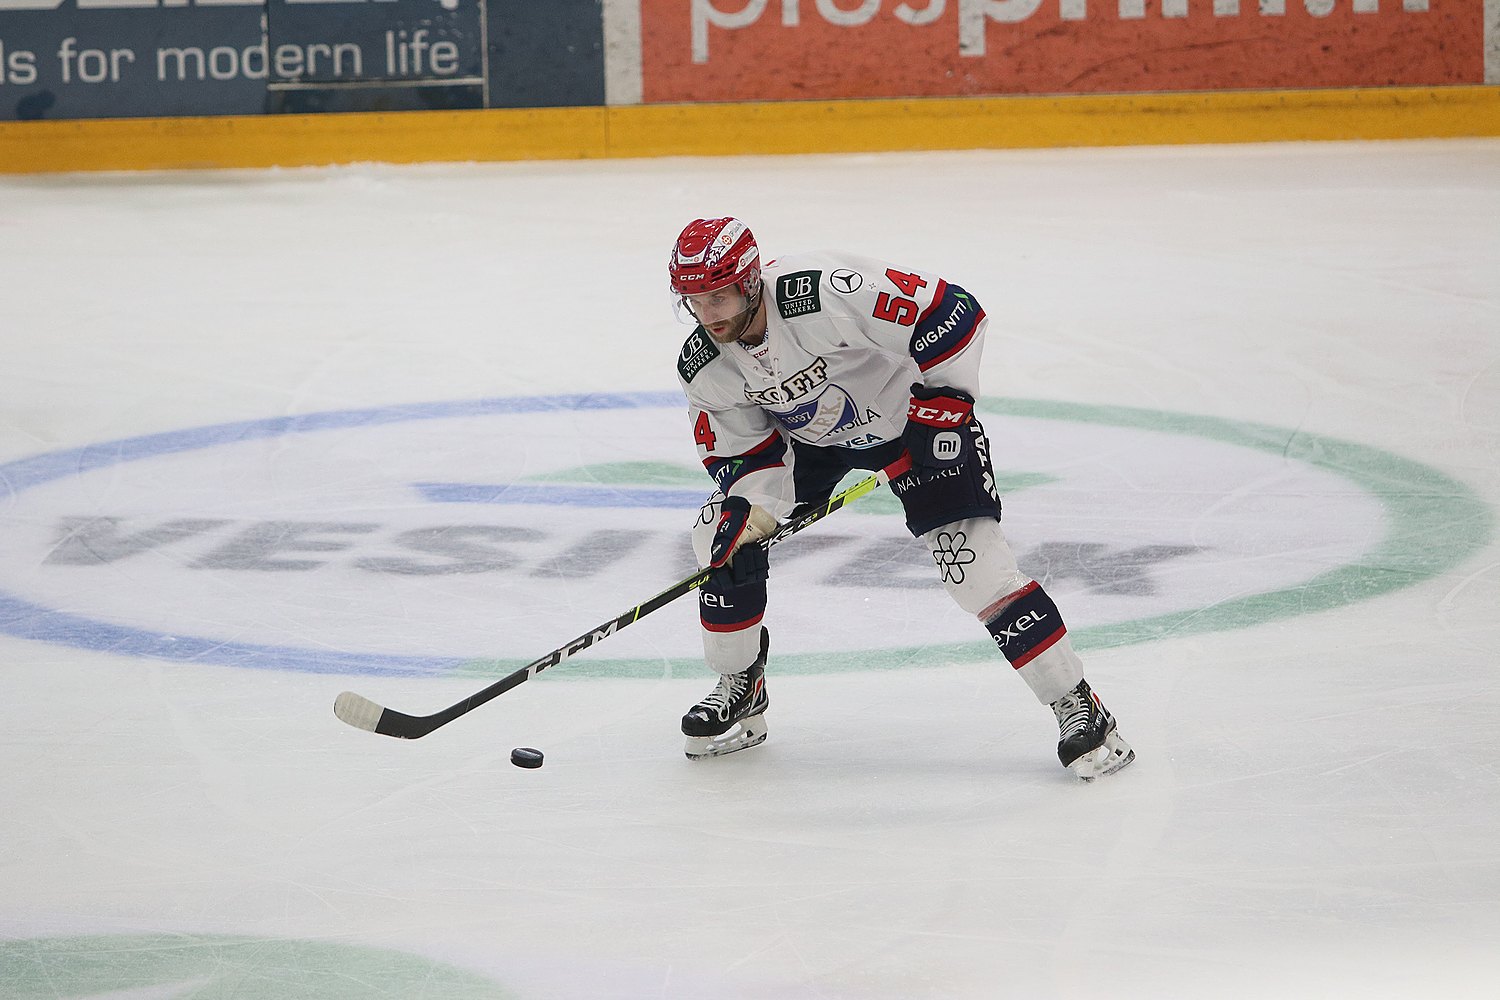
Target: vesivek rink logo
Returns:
[[476, 535]]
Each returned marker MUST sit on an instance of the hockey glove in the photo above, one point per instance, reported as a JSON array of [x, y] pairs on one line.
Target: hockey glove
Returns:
[[931, 435], [741, 526]]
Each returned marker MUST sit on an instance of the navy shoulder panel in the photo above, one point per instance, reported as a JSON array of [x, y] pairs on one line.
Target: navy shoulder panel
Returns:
[[945, 328]]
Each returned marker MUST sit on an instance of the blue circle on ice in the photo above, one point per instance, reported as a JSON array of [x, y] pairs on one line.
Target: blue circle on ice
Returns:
[[1397, 522]]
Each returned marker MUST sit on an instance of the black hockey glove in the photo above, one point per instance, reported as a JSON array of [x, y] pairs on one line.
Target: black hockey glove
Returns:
[[751, 564], [931, 435], [736, 555]]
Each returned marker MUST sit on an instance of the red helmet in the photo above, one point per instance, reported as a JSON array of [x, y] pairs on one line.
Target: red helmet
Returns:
[[715, 253]]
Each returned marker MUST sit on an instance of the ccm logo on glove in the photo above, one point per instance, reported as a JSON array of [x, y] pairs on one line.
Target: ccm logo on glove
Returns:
[[929, 436], [954, 414]]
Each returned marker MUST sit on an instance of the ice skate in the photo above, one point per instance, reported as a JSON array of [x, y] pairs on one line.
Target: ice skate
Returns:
[[1089, 742], [732, 717]]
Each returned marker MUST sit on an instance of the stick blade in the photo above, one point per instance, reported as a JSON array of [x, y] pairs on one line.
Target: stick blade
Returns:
[[358, 711], [362, 713]]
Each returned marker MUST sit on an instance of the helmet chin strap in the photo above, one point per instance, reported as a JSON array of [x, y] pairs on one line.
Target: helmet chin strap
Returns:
[[750, 313]]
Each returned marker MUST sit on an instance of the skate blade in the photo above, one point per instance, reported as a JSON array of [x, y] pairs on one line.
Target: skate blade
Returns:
[[747, 733], [1110, 756]]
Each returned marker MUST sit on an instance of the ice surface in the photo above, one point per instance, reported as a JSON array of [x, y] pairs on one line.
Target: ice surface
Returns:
[[1246, 402]]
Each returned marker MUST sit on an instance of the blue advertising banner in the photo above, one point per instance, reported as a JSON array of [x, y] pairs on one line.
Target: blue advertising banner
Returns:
[[390, 55], [120, 59], [169, 58], [546, 54]]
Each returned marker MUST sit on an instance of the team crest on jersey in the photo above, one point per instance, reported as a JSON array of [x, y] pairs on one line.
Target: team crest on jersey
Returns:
[[797, 293], [830, 412], [789, 389], [697, 352]]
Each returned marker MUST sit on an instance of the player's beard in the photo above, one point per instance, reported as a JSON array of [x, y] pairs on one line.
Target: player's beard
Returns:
[[736, 325]]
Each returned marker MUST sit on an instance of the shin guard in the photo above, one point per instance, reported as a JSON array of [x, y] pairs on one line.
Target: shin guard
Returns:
[[730, 605], [731, 625], [1029, 630]]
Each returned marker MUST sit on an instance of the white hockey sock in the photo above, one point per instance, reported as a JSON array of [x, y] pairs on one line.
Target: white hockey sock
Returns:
[[980, 573], [731, 652]]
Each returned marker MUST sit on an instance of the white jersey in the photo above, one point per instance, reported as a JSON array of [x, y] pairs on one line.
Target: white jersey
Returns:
[[846, 337]]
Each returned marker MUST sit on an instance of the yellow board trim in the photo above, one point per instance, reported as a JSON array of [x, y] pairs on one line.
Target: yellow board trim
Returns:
[[735, 129]]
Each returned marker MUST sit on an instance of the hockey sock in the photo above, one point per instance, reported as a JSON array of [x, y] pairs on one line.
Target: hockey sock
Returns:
[[1030, 632], [731, 624]]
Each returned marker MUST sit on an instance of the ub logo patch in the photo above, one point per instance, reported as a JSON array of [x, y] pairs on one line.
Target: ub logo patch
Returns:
[[697, 352], [797, 294]]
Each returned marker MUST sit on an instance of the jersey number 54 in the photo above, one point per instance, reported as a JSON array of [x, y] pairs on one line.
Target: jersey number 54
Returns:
[[897, 309]]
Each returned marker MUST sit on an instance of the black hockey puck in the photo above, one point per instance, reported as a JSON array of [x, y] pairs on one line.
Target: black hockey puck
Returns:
[[526, 757]]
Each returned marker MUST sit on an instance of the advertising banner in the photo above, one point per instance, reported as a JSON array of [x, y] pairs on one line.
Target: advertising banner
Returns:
[[123, 59], [391, 55], [172, 58], [739, 50]]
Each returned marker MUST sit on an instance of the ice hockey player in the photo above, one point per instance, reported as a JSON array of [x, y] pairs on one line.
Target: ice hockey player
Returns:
[[804, 368]]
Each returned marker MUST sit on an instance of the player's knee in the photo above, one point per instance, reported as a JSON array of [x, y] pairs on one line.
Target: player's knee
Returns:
[[975, 562]]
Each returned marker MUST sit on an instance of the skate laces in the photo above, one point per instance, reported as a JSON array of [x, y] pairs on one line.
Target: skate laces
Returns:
[[731, 686], [1074, 710]]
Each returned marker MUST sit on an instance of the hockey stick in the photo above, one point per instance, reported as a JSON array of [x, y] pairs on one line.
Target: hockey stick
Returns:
[[362, 713]]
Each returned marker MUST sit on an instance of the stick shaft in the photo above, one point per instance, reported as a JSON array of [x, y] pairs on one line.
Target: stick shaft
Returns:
[[362, 713]]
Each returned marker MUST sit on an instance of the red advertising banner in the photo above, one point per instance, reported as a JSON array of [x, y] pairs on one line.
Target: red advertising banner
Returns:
[[746, 50]]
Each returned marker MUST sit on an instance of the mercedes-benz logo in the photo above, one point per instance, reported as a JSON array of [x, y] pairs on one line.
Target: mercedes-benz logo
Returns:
[[845, 281]]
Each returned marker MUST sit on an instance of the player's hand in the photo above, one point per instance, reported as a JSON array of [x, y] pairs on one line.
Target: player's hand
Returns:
[[740, 524], [933, 419]]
